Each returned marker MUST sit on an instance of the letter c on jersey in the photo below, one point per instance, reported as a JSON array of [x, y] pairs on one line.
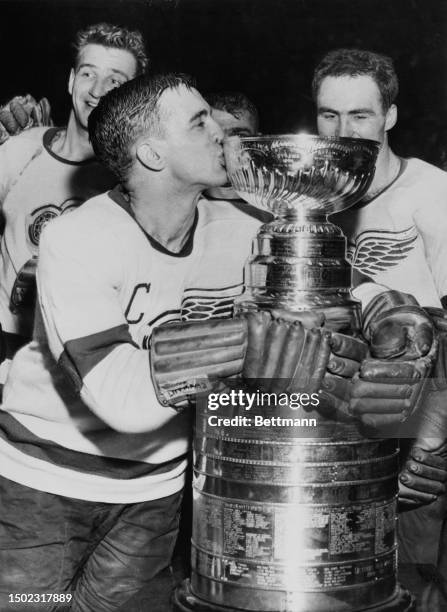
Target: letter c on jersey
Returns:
[[136, 308]]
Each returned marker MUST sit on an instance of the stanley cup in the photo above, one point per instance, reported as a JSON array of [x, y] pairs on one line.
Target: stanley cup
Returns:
[[299, 259], [284, 522]]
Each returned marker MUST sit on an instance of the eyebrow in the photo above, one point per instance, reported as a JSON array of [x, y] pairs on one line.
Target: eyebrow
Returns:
[[199, 115], [354, 111]]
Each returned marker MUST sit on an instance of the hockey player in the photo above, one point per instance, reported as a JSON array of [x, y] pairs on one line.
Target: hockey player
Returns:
[[96, 460], [47, 172], [396, 236], [396, 233]]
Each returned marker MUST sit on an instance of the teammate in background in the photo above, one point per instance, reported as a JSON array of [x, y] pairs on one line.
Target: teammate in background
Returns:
[[396, 234], [45, 173], [237, 116]]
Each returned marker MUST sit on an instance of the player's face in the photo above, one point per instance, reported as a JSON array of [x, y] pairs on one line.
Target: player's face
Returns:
[[99, 69], [352, 107], [192, 139], [242, 125]]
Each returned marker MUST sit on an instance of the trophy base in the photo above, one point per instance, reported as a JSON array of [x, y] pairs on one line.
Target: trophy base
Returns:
[[185, 601]]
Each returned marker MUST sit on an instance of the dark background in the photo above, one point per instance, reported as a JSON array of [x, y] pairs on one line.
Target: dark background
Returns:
[[266, 48]]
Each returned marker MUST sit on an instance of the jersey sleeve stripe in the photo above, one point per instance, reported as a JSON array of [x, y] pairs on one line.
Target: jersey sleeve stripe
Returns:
[[81, 355], [48, 450]]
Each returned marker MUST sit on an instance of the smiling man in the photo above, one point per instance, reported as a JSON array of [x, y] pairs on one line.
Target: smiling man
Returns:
[[46, 172]]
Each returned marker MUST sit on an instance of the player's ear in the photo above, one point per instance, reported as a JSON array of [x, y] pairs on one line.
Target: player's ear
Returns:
[[70, 81], [391, 117], [149, 152]]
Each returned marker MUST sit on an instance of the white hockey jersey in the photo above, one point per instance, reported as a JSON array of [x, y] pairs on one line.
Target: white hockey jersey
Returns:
[[398, 238], [36, 186], [80, 416]]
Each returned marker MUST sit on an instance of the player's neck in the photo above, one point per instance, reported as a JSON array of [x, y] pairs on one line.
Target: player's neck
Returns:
[[165, 217], [74, 144], [388, 168]]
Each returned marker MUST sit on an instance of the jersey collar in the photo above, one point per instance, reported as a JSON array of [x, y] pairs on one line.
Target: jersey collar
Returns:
[[118, 195]]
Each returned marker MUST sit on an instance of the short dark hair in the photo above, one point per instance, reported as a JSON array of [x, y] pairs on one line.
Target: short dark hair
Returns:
[[127, 112], [233, 102], [114, 37], [358, 62]]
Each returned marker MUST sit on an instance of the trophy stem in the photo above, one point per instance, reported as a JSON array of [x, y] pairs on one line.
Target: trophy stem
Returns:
[[299, 263]]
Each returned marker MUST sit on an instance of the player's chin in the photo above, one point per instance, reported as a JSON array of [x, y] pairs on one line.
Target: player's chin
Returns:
[[223, 175], [85, 114], [219, 179]]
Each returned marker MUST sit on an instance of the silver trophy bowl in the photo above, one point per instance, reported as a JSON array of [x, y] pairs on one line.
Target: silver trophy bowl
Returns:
[[300, 175], [299, 258]]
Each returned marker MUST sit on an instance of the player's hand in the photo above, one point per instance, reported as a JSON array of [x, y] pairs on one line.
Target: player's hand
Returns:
[[21, 113], [290, 352], [189, 358], [403, 347], [347, 355], [287, 352], [423, 477], [398, 328], [385, 393]]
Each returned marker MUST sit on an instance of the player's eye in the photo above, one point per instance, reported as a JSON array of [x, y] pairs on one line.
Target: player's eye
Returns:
[[327, 116], [116, 82]]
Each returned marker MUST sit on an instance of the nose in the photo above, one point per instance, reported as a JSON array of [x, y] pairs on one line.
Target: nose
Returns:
[[345, 128], [216, 131], [342, 127], [98, 88]]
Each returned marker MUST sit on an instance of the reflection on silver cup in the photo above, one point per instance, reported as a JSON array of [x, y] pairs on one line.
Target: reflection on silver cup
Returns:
[[298, 176], [299, 260]]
